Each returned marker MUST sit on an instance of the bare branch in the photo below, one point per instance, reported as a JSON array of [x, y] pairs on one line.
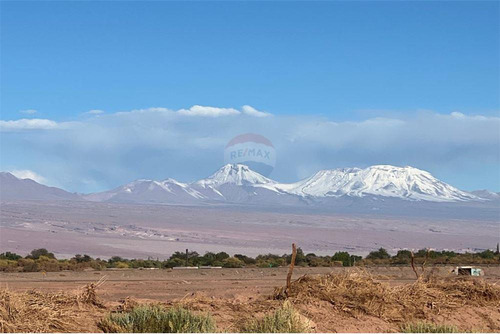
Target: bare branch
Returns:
[[290, 270]]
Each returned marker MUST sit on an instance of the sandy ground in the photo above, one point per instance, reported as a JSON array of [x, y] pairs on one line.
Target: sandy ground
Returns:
[[165, 285], [104, 230]]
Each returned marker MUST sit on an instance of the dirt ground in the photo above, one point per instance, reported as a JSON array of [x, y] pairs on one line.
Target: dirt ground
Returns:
[[232, 295], [164, 285]]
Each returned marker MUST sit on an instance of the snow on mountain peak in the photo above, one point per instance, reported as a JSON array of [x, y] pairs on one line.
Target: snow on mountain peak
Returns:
[[148, 191], [382, 180], [236, 182], [236, 174]]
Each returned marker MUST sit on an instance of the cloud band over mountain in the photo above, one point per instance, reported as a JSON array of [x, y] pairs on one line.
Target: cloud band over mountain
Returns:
[[105, 150]]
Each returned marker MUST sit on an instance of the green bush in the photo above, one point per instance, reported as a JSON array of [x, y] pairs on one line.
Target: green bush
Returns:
[[426, 327], [157, 319], [121, 265], [284, 320], [245, 259], [232, 262], [45, 263], [28, 265], [8, 265]]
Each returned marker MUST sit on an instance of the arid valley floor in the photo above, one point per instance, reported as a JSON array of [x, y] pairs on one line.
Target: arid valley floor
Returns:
[[128, 230]]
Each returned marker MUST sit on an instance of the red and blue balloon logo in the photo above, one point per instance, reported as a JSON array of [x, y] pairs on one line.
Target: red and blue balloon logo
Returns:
[[253, 150]]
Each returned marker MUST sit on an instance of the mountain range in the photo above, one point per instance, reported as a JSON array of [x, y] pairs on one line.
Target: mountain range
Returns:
[[238, 184]]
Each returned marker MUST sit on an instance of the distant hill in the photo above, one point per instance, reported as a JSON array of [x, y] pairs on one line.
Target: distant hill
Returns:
[[13, 188]]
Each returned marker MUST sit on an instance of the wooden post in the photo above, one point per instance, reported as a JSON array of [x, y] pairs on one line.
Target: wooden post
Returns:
[[290, 269], [413, 265], [425, 261]]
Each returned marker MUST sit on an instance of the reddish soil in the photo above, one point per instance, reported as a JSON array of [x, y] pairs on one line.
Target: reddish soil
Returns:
[[234, 295]]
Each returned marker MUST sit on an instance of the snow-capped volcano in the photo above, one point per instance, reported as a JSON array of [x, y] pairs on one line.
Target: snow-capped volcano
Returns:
[[407, 183], [235, 174], [236, 183]]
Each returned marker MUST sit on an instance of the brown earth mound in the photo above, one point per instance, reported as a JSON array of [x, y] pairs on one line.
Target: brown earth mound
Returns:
[[357, 294]]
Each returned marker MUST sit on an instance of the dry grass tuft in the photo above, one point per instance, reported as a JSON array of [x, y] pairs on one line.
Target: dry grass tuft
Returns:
[[34, 311], [284, 320], [356, 292]]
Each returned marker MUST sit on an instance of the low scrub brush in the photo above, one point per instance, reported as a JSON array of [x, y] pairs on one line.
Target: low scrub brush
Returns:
[[284, 320], [157, 319], [426, 327]]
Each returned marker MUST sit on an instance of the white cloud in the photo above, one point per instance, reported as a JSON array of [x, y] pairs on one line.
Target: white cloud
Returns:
[[459, 115], [95, 112], [28, 174], [251, 111], [205, 111], [28, 111], [28, 124]]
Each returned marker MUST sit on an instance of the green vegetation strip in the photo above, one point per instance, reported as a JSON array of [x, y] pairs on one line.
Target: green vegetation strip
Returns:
[[43, 260]]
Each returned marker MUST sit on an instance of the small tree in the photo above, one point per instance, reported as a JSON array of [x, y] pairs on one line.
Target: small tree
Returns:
[[344, 257], [36, 253], [487, 254], [381, 253], [10, 256], [79, 258], [221, 256]]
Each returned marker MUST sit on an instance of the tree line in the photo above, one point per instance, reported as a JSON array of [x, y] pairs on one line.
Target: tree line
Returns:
[[43, 260]]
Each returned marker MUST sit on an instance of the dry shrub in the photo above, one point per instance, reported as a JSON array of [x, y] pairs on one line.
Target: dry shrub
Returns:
[[89, 294], [35, 311], [126, 305], [350, 292], [475, 291], [356, 292]]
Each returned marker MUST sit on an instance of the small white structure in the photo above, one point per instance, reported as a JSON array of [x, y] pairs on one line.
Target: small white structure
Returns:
[[468, 271]]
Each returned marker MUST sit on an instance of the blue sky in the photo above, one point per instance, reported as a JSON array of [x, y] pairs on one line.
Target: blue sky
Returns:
[[306, 63]]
